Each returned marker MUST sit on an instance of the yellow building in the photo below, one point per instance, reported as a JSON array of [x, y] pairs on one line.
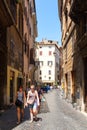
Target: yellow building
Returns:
[[18, 30]]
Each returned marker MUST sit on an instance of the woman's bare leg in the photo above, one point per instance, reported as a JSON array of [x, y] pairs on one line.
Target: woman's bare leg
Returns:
[[18, 114]]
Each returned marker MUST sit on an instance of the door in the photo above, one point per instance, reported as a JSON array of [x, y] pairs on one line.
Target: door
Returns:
[[85, 83], [11, 90], [85, 78]]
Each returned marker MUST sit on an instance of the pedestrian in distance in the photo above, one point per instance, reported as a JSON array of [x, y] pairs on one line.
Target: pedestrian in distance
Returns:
[[33, 102], [40, 94], [20, 100]]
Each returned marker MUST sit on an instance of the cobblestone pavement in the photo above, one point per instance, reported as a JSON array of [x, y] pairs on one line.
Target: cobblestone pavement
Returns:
[[56, 114]]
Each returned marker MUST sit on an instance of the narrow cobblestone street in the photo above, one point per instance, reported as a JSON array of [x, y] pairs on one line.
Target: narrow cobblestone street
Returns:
[[55, 114]]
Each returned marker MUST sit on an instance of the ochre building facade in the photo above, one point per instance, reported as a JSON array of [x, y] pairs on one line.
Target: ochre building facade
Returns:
[[73, 19], [18, 30]]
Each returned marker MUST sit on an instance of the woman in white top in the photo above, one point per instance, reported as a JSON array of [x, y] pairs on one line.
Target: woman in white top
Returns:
[[32, 101]]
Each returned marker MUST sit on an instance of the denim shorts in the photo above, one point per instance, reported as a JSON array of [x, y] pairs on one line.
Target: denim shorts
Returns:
[[31, 106]]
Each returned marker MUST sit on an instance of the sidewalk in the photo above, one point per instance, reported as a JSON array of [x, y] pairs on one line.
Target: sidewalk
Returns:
[[8, 118], [55, 114], [62, 96]]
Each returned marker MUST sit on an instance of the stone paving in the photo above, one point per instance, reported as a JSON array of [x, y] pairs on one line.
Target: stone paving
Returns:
[[55, 114]]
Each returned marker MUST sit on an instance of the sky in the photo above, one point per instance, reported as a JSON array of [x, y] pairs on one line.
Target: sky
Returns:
[[48, 22]]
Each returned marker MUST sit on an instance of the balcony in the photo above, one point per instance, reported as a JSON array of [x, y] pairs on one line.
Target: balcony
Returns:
[[78, 8]]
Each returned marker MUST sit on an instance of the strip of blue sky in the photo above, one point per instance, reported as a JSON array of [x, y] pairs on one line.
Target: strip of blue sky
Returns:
[[48, 21]]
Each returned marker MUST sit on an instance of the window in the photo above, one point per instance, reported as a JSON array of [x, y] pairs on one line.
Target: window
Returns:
[[12, 48], [41, 63], [20, 58], [27, 50], [49, 46], [49, 78], [49, 72], [12, 45], [40, 78], [25, 47], [84, 24], [50, 53], [56, 64], [66, 14], [50, 63], [25, 42], [30, 10], [40, 53], [40, 72], [30, 30]]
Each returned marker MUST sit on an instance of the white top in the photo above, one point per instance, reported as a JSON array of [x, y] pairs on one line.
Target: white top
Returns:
[[20, 96], [32, 97]]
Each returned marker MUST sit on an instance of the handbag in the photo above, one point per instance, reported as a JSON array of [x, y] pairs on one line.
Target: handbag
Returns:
[[18, 103]]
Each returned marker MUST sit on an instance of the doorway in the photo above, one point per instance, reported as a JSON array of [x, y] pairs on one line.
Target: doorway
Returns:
[[11, 86], [73, 86], [66, 85], [85, 83], [85, 79]]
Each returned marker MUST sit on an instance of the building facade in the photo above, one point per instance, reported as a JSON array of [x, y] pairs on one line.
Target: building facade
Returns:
[[33, 35], [67, 32], [74, 29], [30, 33], [18, 30], [47, 60]]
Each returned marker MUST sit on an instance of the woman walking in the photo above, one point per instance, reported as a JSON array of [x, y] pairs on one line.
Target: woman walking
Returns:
[[33, 102], [20, 98]]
